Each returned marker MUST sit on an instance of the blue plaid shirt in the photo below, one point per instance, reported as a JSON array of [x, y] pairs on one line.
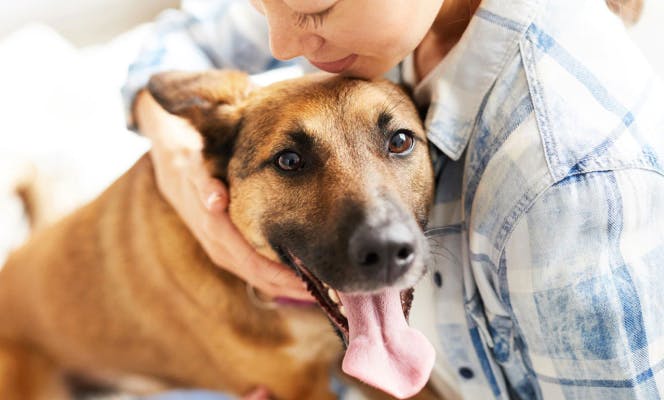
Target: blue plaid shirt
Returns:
[[547, 277]]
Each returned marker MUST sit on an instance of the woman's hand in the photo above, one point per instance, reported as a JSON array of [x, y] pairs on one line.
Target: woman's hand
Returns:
[[260, 393], [202, 201]]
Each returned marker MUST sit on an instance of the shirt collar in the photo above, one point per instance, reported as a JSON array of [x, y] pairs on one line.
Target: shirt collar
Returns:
[[457, 86]]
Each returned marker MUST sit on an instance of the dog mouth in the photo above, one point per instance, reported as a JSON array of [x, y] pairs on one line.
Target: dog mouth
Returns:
[[381, 349], [329, 298]]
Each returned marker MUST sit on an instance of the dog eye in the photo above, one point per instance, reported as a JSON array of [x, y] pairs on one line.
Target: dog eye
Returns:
[[401, 142], [289, 161]]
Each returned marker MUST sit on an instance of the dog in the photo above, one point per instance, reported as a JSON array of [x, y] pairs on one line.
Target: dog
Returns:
[[329, 175]]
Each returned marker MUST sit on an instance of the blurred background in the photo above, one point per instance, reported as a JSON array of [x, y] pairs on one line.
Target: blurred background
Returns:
[[62, 63], [82, 22]]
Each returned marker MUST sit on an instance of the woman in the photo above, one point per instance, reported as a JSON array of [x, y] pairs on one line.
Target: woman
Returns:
[[548, 228]]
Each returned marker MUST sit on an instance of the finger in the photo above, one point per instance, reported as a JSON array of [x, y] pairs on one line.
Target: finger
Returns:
[[212, 192], [260, 393], [277, 280], [257, 269], [281, 292], [273, 278], [216, 196]]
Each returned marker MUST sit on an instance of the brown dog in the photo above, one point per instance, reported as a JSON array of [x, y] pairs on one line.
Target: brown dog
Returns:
[[329, 175]]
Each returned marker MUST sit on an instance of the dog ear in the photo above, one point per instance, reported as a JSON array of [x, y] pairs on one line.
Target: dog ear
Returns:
[[211, 101]]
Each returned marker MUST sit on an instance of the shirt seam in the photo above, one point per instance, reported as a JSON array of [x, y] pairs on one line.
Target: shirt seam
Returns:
[[508, 227]]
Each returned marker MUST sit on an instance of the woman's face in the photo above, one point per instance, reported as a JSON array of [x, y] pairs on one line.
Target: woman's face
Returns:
[[362, 38]]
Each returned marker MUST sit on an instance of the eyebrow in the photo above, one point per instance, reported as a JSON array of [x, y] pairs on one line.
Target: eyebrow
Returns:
[[384, 119], [301, 139], [298, 137]]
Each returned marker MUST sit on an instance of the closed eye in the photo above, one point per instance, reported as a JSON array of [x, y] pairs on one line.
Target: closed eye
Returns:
[[304, 20]]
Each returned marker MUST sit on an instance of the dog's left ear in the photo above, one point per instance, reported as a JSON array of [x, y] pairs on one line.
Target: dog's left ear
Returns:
[[211, 101]]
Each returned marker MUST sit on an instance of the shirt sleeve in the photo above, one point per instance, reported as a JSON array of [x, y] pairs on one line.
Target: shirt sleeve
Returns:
[[582, 278], [202, 34]]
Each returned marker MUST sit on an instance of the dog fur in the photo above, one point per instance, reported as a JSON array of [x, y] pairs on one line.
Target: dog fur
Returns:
[[120, 288]]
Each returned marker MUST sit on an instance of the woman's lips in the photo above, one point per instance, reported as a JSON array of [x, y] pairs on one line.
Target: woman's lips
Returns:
[[336, 66]]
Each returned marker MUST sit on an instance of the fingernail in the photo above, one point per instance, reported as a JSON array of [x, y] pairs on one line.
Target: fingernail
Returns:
[[212, 200]]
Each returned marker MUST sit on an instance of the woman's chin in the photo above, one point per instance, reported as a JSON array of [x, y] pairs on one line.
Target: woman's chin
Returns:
[[364, 69]]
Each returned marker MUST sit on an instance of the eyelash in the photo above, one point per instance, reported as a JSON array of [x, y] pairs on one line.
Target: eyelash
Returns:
[[303, 20]]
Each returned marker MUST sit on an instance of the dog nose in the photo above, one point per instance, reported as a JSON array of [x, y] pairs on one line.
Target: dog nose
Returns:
[[389, 249]]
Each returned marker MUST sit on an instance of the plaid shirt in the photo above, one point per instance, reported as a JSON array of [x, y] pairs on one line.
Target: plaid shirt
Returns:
[[547, 277]]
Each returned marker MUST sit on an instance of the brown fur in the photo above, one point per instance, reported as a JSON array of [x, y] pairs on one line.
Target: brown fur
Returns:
[[121, 289]]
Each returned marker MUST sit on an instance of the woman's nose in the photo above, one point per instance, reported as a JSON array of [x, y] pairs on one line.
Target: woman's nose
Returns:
[[289, 41]]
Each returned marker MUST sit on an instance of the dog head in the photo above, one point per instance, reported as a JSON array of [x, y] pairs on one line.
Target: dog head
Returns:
[[329, 175]]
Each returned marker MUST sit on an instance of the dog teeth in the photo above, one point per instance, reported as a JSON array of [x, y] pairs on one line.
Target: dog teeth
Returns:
[[342, 310], [333, 295]]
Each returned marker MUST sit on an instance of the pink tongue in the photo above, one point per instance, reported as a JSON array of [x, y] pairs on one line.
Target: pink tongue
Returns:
[[384, 351]]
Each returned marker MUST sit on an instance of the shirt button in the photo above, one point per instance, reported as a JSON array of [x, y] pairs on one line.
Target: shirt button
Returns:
[[466, 372], [438, 279]]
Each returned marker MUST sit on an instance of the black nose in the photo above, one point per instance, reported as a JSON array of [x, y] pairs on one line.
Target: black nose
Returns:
[[387, 250]]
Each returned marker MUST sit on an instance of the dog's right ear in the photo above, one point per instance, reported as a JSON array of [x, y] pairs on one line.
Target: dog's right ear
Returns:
[[211, 101]]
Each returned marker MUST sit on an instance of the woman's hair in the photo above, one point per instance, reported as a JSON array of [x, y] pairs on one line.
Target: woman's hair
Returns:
[[628, 10]]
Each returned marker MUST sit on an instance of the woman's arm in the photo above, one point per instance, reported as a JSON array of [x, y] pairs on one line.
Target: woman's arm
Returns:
[[201, 201], [583, 283], [208, 34]]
